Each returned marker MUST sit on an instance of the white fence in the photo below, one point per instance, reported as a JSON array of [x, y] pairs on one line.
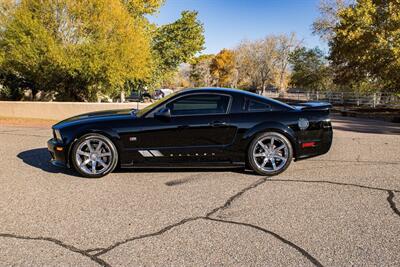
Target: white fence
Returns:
[[343, 98]]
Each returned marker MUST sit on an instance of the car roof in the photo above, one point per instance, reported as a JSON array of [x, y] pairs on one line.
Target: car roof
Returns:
[[217, 90], [233, 91]]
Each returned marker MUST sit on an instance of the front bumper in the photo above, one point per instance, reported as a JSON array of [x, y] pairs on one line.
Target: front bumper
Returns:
[[58, 153]]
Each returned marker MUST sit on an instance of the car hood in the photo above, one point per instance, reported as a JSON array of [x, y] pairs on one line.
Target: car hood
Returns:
[[97, 116]]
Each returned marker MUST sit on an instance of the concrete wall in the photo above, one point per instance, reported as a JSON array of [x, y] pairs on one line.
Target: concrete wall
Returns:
[[57, 110]]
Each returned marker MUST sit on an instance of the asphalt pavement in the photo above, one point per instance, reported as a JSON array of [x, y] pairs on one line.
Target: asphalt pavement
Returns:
[[340, 209]]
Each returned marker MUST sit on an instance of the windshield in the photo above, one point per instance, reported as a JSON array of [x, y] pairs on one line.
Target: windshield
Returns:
[[143, 111]]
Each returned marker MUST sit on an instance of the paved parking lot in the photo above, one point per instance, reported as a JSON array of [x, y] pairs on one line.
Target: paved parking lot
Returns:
[[340, 209]]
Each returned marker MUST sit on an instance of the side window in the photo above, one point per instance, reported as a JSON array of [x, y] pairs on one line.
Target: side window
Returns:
[[254, 105], [199, 104]]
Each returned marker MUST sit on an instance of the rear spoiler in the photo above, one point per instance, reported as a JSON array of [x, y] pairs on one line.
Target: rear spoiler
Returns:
[[313, 106]]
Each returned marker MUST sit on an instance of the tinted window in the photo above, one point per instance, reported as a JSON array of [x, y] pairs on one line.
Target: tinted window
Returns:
[[199, 104], [253, 105]]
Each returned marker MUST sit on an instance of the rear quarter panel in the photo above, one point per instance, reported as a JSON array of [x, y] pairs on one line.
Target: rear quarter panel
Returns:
[[251, 124], [285, 122]]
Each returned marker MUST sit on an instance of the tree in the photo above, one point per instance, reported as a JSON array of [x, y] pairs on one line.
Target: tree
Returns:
[[180, 78], [223, 69], [286, 45], [247, 64], [84, 48], [366, 44], [142, 7], [176, 43], [6, 8], [200, 73], [325, 24], [257, 61], [265, 62], [310, 69], [78, 48]]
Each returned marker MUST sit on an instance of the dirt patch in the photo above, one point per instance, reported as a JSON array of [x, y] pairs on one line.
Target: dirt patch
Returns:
[[25, 122]]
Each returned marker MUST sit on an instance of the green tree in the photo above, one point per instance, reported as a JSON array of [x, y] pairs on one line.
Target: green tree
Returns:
[[78, 48], [365, 45], [310, 69], [142, 7], [176, 43], [223, 68]]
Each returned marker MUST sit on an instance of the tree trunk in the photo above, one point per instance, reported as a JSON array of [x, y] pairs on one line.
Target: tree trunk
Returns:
[[282, 90], [122, 96], [264, 85]]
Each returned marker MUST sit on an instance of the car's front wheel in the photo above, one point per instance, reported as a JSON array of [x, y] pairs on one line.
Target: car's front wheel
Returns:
[[270, 153], [94, 155]]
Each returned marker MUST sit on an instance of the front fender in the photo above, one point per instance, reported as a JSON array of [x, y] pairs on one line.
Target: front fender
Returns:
[[273, 127]]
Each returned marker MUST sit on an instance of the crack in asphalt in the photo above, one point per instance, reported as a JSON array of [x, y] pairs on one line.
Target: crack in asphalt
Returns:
[[333, 183], [230, 200], [280, 238], [390, 192], [302, 251], [169, 227], [101, 251], [392, 203], [226, 205], [159, 232], [91, 250], [61, 244]]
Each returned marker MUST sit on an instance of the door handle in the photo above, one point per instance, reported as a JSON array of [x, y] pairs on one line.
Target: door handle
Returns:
[[217, 123]]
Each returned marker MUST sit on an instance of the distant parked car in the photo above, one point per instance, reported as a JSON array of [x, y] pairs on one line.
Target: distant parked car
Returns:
[[137, 96], [161, 93], [272, 89]]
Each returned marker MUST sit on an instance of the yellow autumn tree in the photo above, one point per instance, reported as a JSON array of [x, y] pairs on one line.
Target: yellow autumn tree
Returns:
[[365, 47], [77, 47], [223, 69]]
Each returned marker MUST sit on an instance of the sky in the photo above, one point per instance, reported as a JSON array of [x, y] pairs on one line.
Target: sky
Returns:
[[227, 22]]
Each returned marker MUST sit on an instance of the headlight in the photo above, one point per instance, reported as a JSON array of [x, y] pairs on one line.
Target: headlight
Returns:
[[57, 135]]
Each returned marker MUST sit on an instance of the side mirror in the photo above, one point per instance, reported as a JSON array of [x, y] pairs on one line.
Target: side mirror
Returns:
[[163, 114]]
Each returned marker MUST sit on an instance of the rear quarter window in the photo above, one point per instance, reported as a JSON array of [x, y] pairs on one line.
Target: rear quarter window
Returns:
[[252, 105]]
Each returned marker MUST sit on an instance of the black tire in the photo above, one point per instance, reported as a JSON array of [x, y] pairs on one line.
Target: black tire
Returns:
[[107, 146], [254, 161]]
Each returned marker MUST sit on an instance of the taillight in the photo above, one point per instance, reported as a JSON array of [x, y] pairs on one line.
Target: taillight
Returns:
[[308, 144]]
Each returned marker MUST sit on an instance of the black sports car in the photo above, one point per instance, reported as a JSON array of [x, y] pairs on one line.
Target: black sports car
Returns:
[[213, 127]]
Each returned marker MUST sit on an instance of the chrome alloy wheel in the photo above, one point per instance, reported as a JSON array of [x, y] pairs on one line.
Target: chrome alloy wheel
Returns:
[[270, 153], [93, 156]]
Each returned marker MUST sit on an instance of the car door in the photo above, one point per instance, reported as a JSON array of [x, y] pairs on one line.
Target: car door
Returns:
[[198, 130]]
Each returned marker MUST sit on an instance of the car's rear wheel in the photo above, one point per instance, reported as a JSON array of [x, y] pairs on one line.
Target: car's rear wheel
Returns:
[[94, 156], [270, 153]]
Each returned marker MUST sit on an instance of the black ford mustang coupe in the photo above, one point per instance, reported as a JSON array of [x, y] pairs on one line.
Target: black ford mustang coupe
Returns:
[[212, 127]]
